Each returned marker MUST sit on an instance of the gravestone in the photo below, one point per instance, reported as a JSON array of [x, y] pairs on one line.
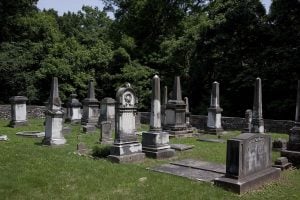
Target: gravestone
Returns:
[[18, 111], [106, 133], [257, 117], [293, 146], [163, 106], [248, 163], [214, 125], [90, 110], [73, 110], [126, 147], [107, 111], [248, 120], [54, 118], [155, 142], [188, 115], [175, 113], [3, 138]]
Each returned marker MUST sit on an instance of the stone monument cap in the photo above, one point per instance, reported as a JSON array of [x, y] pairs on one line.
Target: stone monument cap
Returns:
[[18, 99]]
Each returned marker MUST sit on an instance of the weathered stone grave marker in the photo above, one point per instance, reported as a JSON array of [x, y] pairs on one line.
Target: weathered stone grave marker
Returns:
[[257, 116], [214, 125], [18, 111], [293, 146], [107, 111], [175, 112], [126, 147], [155, 142], [106, 133], [248, 163], [90, 110], [54, 118], [73, 109]]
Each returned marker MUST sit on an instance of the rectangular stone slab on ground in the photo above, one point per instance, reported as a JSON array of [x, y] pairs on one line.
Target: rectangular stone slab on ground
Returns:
[[34, 134], [181, 147], [192, 169]]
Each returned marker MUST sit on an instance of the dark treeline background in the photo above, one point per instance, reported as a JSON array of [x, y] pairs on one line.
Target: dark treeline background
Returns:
[[229, 41]]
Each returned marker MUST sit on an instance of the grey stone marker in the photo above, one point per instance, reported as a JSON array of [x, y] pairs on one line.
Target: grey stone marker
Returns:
[[126, 147], [107, 111], [214, 125], [163, 106], [293, 146], [90, 110], [188, 115], [54, 118], [257, 117], [106, 133], [18, 111], [175, 113], [3, 138], [248, 120], [248, 163], [155, 142], [73, 110]]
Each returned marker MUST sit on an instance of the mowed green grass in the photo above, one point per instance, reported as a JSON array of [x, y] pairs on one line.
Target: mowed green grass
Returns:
[[31, 171]]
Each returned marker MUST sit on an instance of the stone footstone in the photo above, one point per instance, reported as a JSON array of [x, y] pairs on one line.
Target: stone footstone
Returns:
[[3, 138], [282, 163], [33, 134], [82, 149], [89, 128], [292, 156], [181, 147]]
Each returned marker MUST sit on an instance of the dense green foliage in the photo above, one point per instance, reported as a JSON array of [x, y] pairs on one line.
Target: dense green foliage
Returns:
[[229, 41]]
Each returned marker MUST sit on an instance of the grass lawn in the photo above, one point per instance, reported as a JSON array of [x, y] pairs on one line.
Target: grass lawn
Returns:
[[31, 171]]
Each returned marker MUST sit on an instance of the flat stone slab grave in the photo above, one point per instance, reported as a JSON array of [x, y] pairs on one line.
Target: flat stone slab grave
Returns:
[[211, 140], [193, 169], [33, 134], [181, 147]]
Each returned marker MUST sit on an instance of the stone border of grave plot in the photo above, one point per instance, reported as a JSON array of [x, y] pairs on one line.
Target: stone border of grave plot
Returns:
[[32, 134]]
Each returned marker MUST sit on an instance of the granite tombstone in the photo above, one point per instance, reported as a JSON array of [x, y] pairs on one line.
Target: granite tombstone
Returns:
[[18, 111]]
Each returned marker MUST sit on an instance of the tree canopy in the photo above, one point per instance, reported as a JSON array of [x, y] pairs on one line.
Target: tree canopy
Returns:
[[229, 41]]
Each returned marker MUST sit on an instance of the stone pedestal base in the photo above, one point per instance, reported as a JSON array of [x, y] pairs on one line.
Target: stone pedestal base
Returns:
[[179, 133], [106, 142], [292, 156], [156, 145], [15, 124], [159, 153], [126, 152], [250, 182], [52, 141], [214, 131], [136, 157]]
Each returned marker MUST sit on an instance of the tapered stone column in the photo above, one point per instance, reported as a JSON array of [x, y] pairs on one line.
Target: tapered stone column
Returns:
[[18, 111], [155, 143], [257, 117], [163, 106], [126, 147], [54, 118], [175, 113], [188, 115], [293, 145], [90, 110], [214, 124]]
